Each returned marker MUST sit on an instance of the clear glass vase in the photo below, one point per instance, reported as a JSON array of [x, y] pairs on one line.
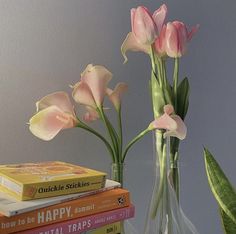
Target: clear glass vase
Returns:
[[165, 215], [118, 174]]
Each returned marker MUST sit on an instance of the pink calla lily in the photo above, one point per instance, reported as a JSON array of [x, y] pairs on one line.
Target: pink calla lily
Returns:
[[177, 37], [91, 114], [55, 112], [172, 123], [91, 89], [131, 43], [115, 95]]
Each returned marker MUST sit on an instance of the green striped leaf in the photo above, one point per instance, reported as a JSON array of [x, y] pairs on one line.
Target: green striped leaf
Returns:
[[227, 222], [221, 187]]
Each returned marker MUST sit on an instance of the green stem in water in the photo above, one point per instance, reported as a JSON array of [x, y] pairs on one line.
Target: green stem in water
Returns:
[[138, 137]]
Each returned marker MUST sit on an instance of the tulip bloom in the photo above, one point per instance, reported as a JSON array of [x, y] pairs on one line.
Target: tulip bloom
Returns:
[[91, 89], [145, 29], [54, 113], [177, 37], [172, 123], [115, 95]]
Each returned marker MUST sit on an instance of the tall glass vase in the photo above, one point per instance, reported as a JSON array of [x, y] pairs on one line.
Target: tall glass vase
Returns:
[[165, 215]]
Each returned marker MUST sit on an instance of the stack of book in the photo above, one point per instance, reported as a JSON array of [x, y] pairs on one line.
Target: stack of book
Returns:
[[60, 198]]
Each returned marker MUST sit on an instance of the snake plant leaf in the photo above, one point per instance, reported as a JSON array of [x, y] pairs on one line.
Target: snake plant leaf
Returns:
[[220, 186], [183, 98], [227, 222]]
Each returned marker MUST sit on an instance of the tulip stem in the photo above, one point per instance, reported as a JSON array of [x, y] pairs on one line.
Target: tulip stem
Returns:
[[87, 128], [138, 137], [175, 82], [153, 61]]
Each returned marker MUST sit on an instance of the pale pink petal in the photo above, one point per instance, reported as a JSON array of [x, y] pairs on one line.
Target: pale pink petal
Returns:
[[181, 130], [193, 31], [168, 109], [90, 115], [171, 39], [59, 99], [47, 123], [131, 43], [97, 78], [159, 17], [132, 12], [182, 37], [82, 94], [164, 122], [160, 43], [115, 95], [144, 28]]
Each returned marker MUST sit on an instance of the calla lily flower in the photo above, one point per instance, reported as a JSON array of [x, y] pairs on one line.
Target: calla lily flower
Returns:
[[54, 113], [172, 123], [115, 95], [91, 114], [91, 89], [177, 37], [145, 29]]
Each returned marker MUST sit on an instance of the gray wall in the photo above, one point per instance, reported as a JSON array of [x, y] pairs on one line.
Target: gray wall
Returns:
[[44, 46]]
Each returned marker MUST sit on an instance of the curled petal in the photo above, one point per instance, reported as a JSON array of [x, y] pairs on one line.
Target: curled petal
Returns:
[[193, 31], [97, 78], [115, 95], [131, 43], [90, 115], [159, 17], [164, 122], [59, 99], [143, 26], [47, 123], [181, 130], [83, 94]]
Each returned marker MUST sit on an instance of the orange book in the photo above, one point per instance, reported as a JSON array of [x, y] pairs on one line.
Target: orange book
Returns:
[[104, 201]]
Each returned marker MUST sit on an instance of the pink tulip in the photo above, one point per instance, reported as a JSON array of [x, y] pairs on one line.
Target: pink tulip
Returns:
[[145, 29], [159, 17], [91, 89], [172, 123], [54, 113], [115, 95], [143, 26], [159, 45], [177, 37]]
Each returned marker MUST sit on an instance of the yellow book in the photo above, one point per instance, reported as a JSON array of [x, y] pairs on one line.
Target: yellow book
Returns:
[[113, 228], [30, 181]]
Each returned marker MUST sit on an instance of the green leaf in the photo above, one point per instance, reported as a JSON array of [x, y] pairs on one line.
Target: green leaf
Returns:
[[220, 186], [227, 222], [183, 98], [158, 98]]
